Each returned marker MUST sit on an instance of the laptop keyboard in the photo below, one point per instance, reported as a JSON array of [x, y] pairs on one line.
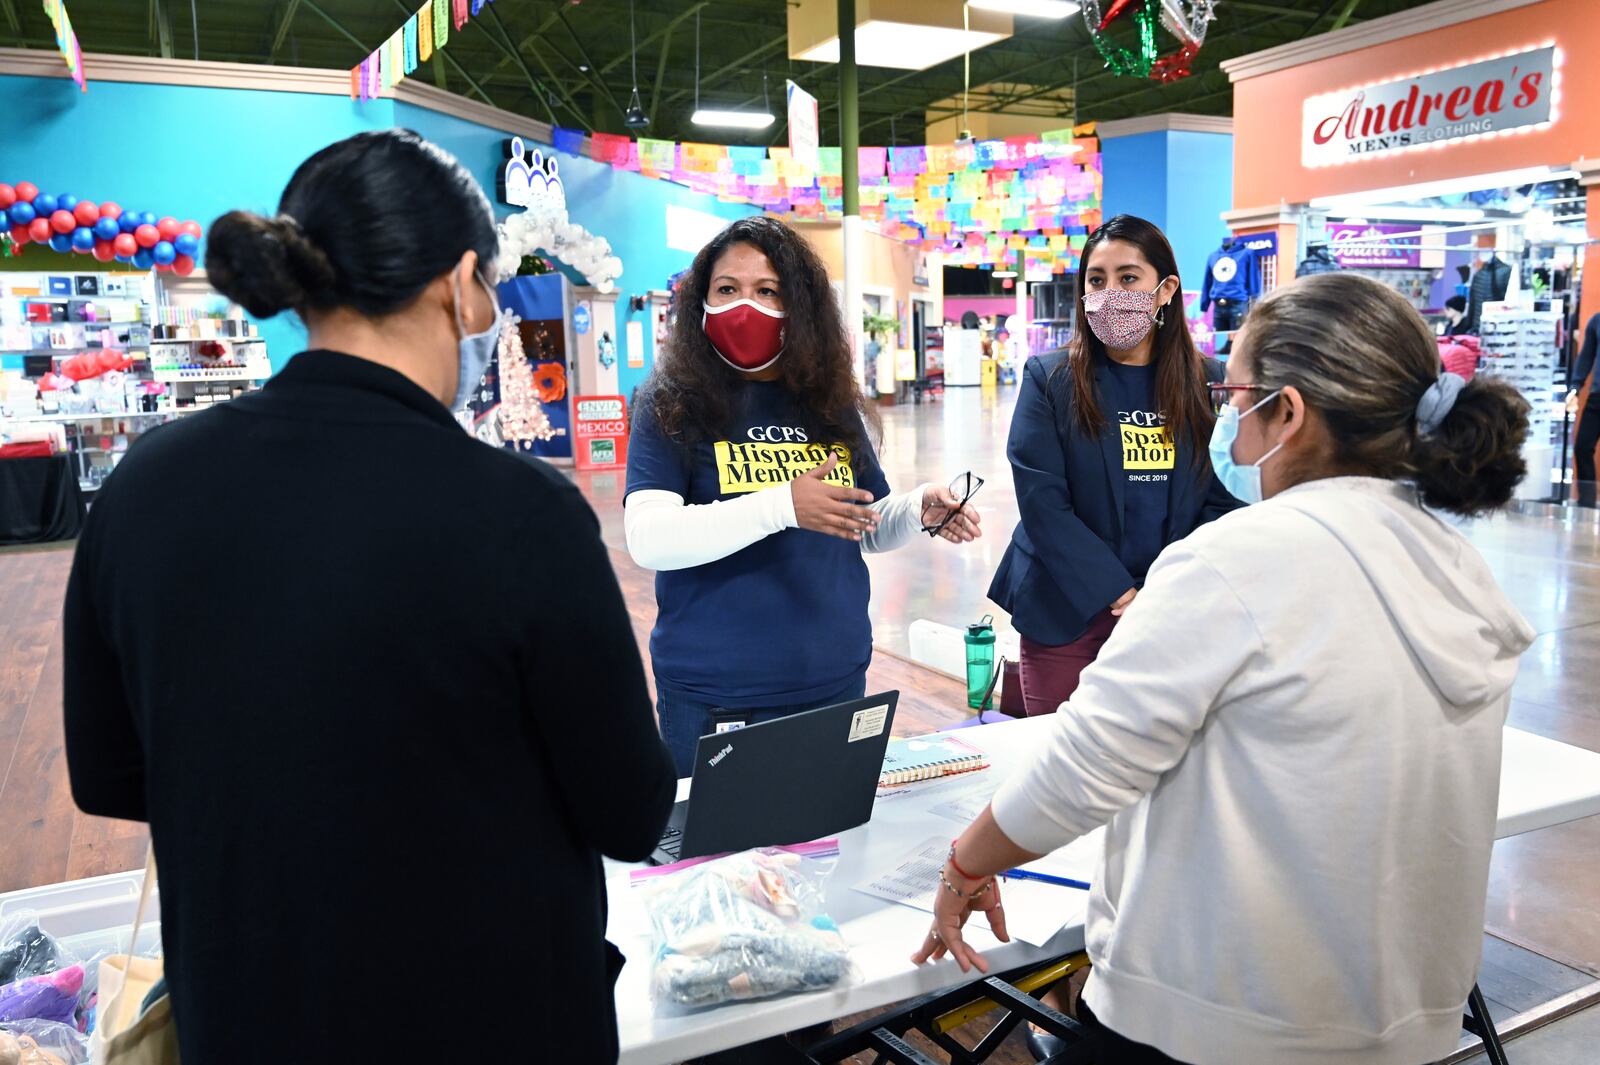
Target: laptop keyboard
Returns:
[[671, 841]]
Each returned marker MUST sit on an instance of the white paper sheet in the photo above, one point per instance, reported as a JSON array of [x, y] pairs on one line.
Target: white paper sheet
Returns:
[[1035, 912], [966, 805]]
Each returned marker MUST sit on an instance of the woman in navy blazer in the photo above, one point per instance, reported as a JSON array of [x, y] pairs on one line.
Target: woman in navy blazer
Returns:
[[1108, 451]]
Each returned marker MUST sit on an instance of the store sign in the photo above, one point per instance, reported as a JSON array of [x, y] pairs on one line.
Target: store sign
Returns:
[[600, 432], [528, 179], [1260, 243], [805, 131], [1476, 100], [1361, 245], [581, 317]]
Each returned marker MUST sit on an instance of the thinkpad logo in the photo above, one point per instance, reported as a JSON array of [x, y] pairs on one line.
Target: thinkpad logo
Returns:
[[720, 755]]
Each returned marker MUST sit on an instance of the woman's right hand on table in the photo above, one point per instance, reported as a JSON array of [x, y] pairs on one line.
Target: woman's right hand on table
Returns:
[[826, 508]]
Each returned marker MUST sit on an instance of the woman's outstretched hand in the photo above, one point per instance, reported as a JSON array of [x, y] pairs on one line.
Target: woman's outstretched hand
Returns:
[[827, 508]]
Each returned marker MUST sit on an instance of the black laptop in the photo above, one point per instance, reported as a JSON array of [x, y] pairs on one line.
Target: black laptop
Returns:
[[794, 779]]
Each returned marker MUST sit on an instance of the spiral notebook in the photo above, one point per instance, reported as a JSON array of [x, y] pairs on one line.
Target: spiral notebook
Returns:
[[928, 757]]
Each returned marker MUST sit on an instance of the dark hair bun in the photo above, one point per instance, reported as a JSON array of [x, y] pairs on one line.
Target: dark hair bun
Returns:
[[266, 265], [1473, 461]]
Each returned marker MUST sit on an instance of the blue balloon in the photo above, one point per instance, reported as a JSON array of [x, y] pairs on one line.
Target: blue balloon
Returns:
[[45, 205], [186, 244], [22, 213], [164, 252], [143, 259], [147, 219], [106, 228], [83, 238], [66, 203], [5, 219], [128, 222], [124, 258], [61, 241]]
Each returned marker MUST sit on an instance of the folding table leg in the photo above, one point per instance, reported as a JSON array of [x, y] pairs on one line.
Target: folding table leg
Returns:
[[1480, 1024], [891, 1047]]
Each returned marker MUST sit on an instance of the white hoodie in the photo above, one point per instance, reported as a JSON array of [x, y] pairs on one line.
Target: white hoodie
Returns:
[[1294, 734]]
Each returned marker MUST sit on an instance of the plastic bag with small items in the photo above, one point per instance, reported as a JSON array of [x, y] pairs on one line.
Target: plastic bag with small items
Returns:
[[744, 926]]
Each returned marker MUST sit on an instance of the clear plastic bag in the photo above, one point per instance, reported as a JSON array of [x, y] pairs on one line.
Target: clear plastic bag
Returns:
[[745, 926], [26, 950], [34, 1042]]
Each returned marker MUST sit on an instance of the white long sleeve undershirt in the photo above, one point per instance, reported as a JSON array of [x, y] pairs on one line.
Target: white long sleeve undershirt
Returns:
[[665, 533]]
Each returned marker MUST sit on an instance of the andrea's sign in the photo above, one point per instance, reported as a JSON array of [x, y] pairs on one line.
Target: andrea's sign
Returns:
[[1476, 100]]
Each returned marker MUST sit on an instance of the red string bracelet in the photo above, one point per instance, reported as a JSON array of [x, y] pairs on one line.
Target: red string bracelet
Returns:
[[960, 871]]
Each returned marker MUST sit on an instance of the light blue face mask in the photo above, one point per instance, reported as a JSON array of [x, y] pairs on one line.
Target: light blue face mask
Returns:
[[476, 350], [1243, 482]]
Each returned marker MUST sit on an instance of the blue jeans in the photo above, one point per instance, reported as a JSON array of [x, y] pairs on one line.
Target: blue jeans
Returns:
[[685, 718]]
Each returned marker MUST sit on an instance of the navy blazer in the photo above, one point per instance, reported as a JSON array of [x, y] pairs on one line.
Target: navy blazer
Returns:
[[1064, 566]]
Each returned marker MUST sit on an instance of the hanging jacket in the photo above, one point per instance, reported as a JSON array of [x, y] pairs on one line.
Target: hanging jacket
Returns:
[[1232, 273], [1319, 260], [1488, 285], [1459, 354]]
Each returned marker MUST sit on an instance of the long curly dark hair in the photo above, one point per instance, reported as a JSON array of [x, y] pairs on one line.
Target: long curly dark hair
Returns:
[[1180, 374], [692, 390]]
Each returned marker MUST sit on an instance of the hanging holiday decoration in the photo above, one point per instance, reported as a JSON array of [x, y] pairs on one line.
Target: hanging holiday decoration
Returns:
[[104, 230], [424, 33], [1185, 20], [522, 417], [976, 202], [66, 40], [543, 226]]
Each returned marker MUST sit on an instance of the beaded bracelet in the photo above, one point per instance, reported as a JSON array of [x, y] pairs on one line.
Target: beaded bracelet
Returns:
[[958, 893]]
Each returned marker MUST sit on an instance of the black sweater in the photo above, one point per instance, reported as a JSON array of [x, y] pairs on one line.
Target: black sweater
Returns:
[[374, 687]]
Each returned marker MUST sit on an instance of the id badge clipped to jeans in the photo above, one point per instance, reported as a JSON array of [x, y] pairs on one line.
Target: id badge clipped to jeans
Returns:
[[725, 720]]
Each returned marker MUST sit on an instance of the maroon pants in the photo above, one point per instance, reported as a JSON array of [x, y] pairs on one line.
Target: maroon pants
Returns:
[[1050, 674]]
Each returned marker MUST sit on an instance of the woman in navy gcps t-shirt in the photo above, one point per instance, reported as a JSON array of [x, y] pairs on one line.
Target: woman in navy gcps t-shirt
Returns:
[[1108, 452], [753, 489]]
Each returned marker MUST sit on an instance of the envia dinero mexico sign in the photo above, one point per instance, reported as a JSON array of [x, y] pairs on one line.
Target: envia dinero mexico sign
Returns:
[[1466, 102]]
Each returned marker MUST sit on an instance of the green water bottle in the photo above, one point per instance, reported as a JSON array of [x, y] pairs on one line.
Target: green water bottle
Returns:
[[980, 660]]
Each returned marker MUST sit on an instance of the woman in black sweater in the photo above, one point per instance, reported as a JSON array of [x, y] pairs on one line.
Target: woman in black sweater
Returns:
[[370, 681]]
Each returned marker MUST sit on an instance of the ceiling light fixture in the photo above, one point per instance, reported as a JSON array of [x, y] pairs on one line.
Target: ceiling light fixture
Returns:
[[634, 117], [902, 34], [712, 116], [1031, 8], [1004, 272]]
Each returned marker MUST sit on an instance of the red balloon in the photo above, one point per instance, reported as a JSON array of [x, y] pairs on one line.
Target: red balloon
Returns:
[[168, 228], [147, 236], [20, 234], [110, 210], [104, 251], [86, 213], [63, 222], [183, 265], [26, 191], [8, 196], [39, 229], [190, 227], [124, 244]]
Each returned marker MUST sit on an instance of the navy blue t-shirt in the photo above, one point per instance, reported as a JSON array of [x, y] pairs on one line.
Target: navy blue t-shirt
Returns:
[[1148, 458], [785, 619]]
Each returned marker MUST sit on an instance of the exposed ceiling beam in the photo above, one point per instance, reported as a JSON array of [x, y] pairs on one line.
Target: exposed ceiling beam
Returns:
[[9, 9], [161, 28], [353, 39], [744, 60], [587, 68], [1346, 13], [289, 9], [1274, 10], [505, 46], [665, 31], [661, 70]]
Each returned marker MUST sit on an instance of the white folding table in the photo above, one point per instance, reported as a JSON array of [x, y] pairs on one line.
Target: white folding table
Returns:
[[1542, 783]]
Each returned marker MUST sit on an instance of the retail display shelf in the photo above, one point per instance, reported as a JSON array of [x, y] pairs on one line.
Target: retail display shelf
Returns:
[[207, 340], [202, 373], [99, 415]]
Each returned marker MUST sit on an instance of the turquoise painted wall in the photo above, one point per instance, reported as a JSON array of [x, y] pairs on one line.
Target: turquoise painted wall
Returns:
[[1180, 181], [208, 151], [626, 209], [188, 152]]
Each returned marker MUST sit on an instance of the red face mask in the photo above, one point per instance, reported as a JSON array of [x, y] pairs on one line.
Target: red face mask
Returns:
[[747, 335]]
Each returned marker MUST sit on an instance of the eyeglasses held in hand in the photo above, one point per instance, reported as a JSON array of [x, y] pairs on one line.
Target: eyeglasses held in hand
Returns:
[[964, 487]]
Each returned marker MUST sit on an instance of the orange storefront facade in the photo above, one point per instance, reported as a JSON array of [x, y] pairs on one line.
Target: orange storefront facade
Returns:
[[1472, 63]]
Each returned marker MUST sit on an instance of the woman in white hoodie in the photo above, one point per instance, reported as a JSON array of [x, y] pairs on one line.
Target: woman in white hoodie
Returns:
[[1294, 734]]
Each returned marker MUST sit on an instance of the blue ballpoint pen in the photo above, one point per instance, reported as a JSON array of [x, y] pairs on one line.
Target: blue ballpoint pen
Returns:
[[1044, 878]]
